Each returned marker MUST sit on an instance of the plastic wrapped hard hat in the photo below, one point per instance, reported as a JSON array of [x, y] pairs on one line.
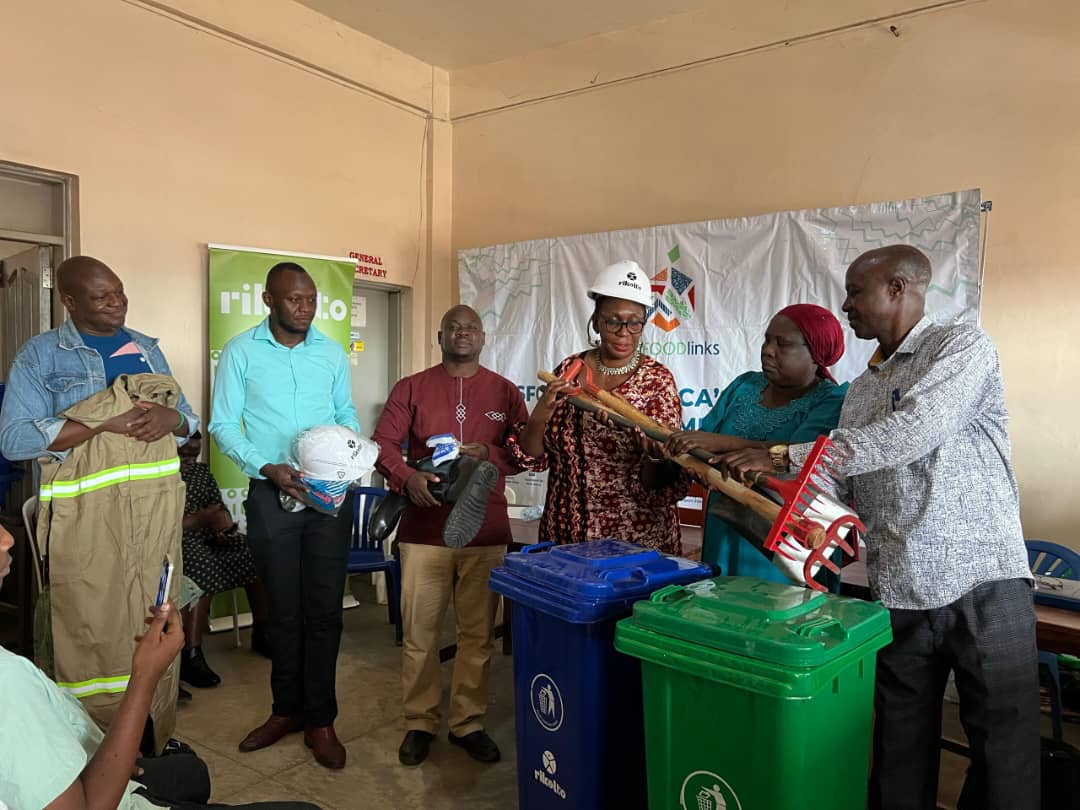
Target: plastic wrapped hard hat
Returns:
[[334, 453], [331, 459], [624, 279]]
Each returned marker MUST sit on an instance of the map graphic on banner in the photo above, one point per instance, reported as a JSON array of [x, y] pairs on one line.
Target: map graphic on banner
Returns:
[[715, 286], [237, 276]]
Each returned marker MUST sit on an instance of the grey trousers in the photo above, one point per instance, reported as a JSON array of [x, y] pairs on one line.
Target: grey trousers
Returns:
[[987, 638]]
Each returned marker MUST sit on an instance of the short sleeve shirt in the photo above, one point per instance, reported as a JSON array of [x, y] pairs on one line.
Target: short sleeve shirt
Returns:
[[46, 739]]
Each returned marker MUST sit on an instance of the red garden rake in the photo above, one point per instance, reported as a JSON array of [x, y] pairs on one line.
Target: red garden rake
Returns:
[[807, 507], [805, 527]]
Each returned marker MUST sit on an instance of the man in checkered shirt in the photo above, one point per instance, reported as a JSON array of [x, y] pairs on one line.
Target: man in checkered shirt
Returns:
[[924, 452]]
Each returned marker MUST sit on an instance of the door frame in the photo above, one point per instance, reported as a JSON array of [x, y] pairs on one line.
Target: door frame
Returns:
[[64, 244], [394, 317], [68, 239]]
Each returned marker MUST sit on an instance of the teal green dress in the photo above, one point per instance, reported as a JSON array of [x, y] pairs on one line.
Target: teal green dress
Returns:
[[739, 412]]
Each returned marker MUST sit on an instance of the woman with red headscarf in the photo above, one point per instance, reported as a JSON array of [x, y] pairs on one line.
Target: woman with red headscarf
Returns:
[[794, 398]]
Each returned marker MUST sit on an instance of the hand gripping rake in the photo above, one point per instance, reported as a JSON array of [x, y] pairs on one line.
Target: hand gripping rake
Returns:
[[804, 527], [807, 507]]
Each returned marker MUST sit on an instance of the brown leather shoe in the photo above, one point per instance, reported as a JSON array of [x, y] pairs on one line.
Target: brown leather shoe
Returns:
[[271, 731], [323, 742]]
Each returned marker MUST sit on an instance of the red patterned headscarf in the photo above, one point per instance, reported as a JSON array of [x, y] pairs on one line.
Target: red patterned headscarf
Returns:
[[822, 332]]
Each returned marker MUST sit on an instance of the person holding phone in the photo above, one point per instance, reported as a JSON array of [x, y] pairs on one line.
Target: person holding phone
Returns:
[[53, 756]]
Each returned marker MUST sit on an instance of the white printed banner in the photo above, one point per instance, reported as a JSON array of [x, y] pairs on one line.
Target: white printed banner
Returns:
[[716, 284]]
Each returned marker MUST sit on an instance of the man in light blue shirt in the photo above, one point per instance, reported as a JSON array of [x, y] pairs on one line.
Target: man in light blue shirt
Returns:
[[273, 381]]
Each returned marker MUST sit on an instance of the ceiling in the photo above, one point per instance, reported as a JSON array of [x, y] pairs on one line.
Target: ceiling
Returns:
[[459, 33]]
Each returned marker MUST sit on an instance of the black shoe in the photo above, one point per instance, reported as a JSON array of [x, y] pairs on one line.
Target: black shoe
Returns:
[[260, 641], [478, 745], [384, 517], [184, 696], [415, 747], [470, 497], [195, 671]]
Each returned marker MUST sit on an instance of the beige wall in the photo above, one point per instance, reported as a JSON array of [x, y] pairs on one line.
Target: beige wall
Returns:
[[260, 122], [981, 94], [183, 133]]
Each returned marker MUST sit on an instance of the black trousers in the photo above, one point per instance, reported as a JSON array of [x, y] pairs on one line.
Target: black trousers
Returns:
[[987, 638], [182, 782], [301, 558]]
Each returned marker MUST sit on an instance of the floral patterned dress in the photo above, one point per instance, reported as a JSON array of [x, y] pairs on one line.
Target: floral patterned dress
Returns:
[[595, 487]]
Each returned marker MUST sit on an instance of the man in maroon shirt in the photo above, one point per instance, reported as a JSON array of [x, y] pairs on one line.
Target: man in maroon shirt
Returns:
[[478, 407]]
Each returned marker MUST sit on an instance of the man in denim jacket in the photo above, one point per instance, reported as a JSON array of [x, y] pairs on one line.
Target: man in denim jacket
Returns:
[[63, 366]]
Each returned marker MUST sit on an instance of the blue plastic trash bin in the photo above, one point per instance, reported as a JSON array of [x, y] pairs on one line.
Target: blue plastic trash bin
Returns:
[[577, 704]]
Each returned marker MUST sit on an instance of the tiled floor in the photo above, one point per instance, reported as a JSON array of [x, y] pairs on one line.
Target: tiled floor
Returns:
[[371, 728], [369, 724]]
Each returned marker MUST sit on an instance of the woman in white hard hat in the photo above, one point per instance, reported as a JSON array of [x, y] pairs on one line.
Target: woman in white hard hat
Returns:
[[605, 481]]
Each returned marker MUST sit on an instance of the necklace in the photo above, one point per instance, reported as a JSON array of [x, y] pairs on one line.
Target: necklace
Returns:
[[617, 372]]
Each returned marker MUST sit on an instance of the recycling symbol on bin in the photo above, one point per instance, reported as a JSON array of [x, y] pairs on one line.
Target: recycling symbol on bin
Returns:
[[704, 790], [547, 702]]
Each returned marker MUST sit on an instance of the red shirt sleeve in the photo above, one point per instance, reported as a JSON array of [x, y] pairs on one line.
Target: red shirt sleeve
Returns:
[[516, 413], [391, 433]]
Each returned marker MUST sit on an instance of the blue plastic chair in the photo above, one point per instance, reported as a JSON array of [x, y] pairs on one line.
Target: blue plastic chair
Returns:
[[1052, 560], [367, 555]]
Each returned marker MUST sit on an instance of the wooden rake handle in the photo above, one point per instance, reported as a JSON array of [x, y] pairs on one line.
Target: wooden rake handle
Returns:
[[627, 415]]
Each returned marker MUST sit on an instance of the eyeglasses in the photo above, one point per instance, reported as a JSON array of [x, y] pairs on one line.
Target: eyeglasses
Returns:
[[613, 326]]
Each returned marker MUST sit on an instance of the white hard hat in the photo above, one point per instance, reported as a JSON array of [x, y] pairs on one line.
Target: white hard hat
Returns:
[[624, 279], [331, 458], [334, 453]]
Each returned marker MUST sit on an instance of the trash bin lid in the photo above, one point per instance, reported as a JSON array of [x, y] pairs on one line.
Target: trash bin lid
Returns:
[[603, 569], [780, 624], [590, 581]]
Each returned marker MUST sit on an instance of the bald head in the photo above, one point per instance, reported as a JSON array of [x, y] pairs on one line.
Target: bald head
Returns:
[[899, 261], [886, 293], [92, 294], [460, 314], [461, 335], [76, 270]]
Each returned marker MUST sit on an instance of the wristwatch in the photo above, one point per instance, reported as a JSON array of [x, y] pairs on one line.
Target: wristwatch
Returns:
[[779, 455]]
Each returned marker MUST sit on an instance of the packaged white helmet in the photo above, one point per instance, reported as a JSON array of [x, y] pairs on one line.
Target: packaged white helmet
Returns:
[[331, 459], [624, 279]]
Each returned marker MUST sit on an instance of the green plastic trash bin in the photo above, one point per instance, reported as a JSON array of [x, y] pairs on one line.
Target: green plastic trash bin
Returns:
[[757, 696]]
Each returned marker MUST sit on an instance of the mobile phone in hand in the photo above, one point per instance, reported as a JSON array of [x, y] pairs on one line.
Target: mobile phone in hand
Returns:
[[165, 582]]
